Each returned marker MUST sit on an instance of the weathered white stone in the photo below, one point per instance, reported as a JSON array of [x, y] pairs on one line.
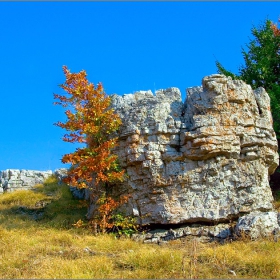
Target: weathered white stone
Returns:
[[258, 224], [16, 179], [60, 173], [205, 160]]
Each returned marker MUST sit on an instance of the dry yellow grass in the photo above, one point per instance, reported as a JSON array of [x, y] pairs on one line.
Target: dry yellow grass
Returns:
[[50, 247]]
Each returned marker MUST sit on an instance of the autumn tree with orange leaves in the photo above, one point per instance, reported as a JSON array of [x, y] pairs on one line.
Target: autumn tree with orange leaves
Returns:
[[91, 121]]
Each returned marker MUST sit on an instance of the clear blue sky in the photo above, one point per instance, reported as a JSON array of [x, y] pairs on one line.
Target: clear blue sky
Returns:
[[128, 46]]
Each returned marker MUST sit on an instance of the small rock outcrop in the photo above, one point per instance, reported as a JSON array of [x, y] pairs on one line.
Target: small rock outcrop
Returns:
[[207, 160], [258, 224], [16, 179]]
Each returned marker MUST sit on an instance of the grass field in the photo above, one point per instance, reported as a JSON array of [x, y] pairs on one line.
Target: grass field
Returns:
[[36, 243]]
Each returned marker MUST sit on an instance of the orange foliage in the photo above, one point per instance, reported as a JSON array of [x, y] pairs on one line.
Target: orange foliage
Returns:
[[107, 205], [276, 30], [89, 121]]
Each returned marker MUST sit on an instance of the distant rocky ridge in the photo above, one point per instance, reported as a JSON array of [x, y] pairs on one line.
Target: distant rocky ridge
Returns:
[[21, 179]]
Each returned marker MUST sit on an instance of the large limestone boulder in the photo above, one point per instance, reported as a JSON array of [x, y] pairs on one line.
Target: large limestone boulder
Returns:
[[207, 160]]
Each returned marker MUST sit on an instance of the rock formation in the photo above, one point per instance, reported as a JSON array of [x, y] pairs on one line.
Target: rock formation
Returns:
[[199, 165], [15, 179], [207, 160]]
